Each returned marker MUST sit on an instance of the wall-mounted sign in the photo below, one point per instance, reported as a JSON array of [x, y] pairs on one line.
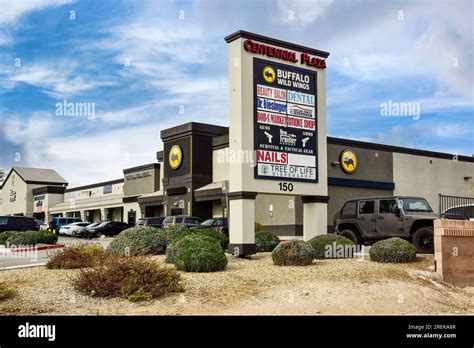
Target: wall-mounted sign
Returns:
[[38, 204], [107, 189], [283, 54], [348, 161], [285, 122], [138, 175], [12, 196], [175, 156]]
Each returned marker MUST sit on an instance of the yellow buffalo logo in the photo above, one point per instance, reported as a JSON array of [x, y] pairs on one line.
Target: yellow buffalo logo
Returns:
[[269, 74], [348, 160], [175, 157]]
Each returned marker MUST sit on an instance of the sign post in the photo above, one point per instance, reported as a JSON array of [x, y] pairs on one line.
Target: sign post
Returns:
[[277, 100]]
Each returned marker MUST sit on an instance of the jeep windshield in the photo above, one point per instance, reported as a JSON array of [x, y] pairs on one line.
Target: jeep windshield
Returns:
[[415, 205]]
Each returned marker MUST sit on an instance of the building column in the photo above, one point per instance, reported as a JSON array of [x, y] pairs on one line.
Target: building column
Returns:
[[83, 215], [315, 211], [103, 215], [242, 223]]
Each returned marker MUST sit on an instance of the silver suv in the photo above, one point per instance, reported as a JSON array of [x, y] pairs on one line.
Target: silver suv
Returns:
[[181, 221], [374, 218]]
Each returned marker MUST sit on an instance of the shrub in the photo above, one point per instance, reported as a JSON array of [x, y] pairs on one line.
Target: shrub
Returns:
[[46, 237], [138, 241], [293, 253], [321, 243], [172, 249], [78, 256], [5, 235], [265, 241], [27, 238], [200, 255], [392, 250], [6, 292], [135, 278], [174, 234]]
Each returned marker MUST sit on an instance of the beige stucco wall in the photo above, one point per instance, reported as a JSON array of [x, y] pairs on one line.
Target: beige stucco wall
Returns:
[[95, 192], [220, 167], [15, 183], [427, 177], [283, 209], [147, 184]]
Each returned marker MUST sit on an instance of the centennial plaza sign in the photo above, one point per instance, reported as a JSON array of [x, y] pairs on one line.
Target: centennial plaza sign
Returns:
[[277, 101]]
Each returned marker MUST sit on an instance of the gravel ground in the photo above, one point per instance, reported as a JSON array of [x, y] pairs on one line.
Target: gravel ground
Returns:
[[346, 286]]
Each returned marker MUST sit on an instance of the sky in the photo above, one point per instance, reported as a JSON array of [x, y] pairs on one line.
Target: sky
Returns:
[[144, 66]]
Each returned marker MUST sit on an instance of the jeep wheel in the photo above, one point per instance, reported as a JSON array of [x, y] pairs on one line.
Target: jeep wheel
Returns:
[[423, 240], [352, 235]]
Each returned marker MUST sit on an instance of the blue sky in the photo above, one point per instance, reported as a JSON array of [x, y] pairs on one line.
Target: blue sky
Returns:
[[150, 65]]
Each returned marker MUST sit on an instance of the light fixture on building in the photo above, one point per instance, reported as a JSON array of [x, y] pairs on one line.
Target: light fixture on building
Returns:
[[270, 210], [467, 178], [335, 163]]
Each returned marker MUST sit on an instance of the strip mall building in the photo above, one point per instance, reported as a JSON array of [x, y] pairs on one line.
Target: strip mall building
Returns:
[[197, 187], [192, 173]]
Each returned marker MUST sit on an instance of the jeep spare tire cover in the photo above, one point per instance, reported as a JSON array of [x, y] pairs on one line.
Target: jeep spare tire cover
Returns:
[[423, 240]]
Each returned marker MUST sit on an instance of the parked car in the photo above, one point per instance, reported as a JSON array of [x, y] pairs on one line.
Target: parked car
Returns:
[[219, 224], [107, 228], [18, 223], [150, 222], [59, 222], [374, 218], [181, 221], [460, 212], [69, 229], [43, 225]]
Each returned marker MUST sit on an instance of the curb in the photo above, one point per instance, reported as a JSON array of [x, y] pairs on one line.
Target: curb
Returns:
[[22, 266], [45, 247]]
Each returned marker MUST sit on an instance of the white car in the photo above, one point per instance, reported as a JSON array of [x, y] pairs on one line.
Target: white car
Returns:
[[75, 226], [43, 226]]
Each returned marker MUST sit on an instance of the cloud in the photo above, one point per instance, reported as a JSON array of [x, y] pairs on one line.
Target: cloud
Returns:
[[302, 11], [12, 10]]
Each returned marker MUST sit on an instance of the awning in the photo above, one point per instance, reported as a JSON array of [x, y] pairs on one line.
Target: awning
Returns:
[[156, 198], [210, 192]]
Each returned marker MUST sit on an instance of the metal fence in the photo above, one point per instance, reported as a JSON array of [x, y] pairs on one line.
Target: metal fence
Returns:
[[455, 207]]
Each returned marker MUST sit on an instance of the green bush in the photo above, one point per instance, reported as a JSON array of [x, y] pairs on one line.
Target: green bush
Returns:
[[79, 256], [5, 235], [26, 238], [321, 243], [134, 278], [392, 250], [45, 237], [200, 255], [265, 241], [174, 234], [138, 241], [293, 252], [172, 249]]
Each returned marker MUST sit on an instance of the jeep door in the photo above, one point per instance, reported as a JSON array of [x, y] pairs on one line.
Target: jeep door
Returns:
[[389, 223], [366, 218]]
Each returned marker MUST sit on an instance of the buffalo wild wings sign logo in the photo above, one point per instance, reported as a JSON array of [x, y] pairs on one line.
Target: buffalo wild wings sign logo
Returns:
[[348, 161], [175, 157]]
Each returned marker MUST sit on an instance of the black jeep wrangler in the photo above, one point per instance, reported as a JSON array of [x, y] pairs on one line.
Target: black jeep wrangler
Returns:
[[370, 219]]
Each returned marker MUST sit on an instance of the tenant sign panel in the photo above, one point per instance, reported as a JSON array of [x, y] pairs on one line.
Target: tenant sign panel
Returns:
[[285, 122]]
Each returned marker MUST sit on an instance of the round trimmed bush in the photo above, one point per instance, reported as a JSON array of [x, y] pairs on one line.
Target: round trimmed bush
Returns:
[[172, 249], [5, 235], [265, 241], [293, 253], [393, 250], [330, 241], [173, 234], [27, 238], [46, 237], [138, 241], [200, 255]]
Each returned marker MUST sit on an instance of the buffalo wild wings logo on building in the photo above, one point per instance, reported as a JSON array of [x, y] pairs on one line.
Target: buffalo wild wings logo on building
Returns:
[[269, 74], [348, 161], [175, 157]]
